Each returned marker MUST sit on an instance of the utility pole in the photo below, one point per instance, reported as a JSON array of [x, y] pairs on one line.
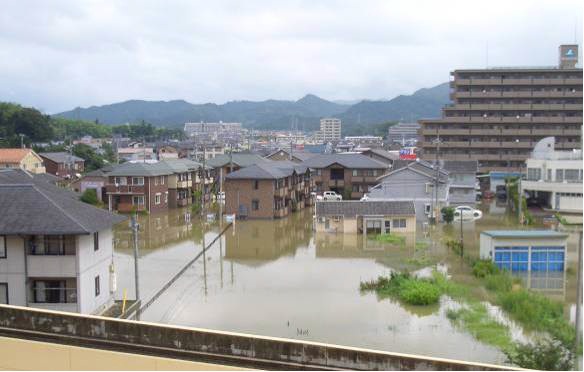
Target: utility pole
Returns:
[[461, 237], [435, 199], [135, 229], [203, 179], [519, 198], [21, 140]]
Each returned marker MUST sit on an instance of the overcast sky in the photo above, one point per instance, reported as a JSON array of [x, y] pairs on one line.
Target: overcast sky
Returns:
[[58, 55]]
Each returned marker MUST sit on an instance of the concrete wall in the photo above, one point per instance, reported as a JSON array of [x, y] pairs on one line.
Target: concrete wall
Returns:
[[207, 345], [12, 270]]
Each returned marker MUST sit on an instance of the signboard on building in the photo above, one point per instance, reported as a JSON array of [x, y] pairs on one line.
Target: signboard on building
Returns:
[[407, 153]]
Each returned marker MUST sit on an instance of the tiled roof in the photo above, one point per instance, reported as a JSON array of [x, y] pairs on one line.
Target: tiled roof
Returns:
[[60, 157], [297, 154], [13, 155], [268, 171], [239, 159], [365, 208], [525, 234], [345, 160], [384, 153], [31, 206], [141, 169], [460, 166]]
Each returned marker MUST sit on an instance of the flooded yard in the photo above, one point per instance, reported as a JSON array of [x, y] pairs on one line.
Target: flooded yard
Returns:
[[280, 278]]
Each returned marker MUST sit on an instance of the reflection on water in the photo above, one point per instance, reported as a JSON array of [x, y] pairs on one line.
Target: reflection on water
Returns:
[[280, 278]]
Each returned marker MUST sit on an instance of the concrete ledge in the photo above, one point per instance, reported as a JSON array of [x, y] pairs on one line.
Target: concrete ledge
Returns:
[[209, 346]]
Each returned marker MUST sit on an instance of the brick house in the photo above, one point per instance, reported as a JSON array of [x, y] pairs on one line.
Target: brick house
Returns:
[[63, 164], [267, 190], [138, 187], [350, 175]]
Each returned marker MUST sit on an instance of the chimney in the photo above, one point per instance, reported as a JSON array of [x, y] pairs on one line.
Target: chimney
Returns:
[[568, 55]]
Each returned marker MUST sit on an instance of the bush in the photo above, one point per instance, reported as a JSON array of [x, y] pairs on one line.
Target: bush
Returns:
[[447, 214], [499, 282], [546, 355], [89, 196], [391, 239], [419, 292], [482, 268]]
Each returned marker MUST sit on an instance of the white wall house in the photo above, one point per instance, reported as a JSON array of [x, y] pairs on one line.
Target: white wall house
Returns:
[[554, 178], [55, 251]]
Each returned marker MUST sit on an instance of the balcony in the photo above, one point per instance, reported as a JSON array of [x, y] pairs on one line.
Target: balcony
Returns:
[[129, 207], [184, 184], [52, 266], [336, 183], [512, 107], [125, 189]]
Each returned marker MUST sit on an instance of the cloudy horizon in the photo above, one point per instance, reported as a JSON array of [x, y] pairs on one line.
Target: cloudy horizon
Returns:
[[60, 55]]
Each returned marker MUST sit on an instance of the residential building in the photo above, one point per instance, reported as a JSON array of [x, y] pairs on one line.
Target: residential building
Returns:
[[372, 142], [384, 156], [267, 190], [136, 153], [138, 187], [330, 130], [167, 152], [25, 159], [463, 184], [520, 251], [554, 178], [55, 251], [365, 217], [183, 181], [207, 151], [285, 154], [63, 164], [499, 114], [414, 181], [403, 133], [213, 131], [224, 164], [96, 180], [351, 175]]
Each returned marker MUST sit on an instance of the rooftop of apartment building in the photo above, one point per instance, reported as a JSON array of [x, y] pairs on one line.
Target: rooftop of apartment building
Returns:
[[354, 208], [355, 161], [268, 170], [31, 206], [238, 159]]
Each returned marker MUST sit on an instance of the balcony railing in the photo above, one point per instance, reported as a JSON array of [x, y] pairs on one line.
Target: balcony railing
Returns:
[[125, 189], [129, 207]]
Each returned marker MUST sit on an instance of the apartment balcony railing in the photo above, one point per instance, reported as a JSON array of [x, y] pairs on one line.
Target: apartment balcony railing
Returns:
[[125, 189], [336, 183], [129, 207], [502, 132], [513, 107], [184, 184], [525, 81], [518, 94], [507, 119]]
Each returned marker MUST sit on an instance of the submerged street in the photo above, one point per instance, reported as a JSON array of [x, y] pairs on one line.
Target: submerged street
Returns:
[[280, 278]]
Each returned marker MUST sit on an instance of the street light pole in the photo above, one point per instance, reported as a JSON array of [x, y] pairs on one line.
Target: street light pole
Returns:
[[579, 296]]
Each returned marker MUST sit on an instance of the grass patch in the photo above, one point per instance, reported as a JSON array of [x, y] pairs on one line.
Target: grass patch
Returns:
[[476, 320], [409, 289], [501, 282], [391, 239], [482, 268], [420, 261], [422, 246]]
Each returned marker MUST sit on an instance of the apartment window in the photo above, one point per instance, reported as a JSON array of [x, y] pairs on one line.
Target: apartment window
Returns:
[[427, 208], [533, 174], [255, 204], [155, 181], [138, 200], [157, 198], [374, 172], [166, 197], [97, 287], [120, 181], [138, 181], [572, 175], [355, 172], [256, 184], [162, 180], [4, 293], [318, 172], [95, 241], [3, 248]]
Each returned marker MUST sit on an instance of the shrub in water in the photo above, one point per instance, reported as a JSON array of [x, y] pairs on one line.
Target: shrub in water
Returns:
[[419, 292], [482, 268]]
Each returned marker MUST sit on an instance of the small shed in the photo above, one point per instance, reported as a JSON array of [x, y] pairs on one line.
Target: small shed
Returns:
[[525, 250], [365, 217]]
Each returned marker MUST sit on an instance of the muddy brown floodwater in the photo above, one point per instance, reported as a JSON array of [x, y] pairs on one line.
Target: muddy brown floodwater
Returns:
[[280, 278]]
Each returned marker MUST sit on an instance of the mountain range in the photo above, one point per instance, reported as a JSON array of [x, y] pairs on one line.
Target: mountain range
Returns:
[[304, 113]]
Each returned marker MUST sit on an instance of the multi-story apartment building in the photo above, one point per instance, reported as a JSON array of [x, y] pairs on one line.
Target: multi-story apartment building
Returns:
[[25, 159], [554, 178], [63, 164], [403, 133], [371, 142], [224, 164], [267, 190], [499, 114], [212, 131], [351, 175], [330, 130], [55, 251], [138, 187]]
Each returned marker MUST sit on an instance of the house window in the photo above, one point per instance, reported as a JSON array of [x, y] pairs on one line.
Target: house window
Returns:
[[97, 288], [387, 224], [318, 172], [255, 204], [374, 172], [162, 180], [155, 181], [427, 208], [3, 246], [256, 184], [166, 197], [355, 172], [120, 181], [138, 181], [95, 241], [157, 198], [138, 200], [4, 293]]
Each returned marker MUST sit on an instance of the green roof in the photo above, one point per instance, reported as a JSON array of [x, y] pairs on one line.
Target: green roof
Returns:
[[524, 234]]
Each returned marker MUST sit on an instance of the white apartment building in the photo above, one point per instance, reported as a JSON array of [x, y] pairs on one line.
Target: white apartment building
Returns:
[[213, 129], [330, 130], [55, 251], [554, 178]]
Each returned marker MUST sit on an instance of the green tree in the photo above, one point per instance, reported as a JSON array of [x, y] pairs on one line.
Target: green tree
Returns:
[[447, 214], [92, 159], [89, 196], [547, 355]]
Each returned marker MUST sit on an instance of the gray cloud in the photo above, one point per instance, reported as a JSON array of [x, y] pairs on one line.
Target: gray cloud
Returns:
[[61, 54]]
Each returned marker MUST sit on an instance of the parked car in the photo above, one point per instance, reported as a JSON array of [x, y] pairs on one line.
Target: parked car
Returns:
[[468, 213], [329, 195]]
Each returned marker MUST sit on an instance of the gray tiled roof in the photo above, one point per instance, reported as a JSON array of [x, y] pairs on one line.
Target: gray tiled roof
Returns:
[[301, 155], [141, 169], [60, 157], [30, 205], [365, 208], [384, 153], [460, 166], [345, 160], [239, 159], [268, 171]]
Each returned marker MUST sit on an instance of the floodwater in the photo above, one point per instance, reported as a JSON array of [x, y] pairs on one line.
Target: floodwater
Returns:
[[280, 278]]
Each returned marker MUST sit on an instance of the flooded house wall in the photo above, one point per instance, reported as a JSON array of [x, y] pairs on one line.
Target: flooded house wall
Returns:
[[239, 195]]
